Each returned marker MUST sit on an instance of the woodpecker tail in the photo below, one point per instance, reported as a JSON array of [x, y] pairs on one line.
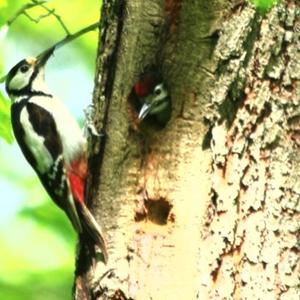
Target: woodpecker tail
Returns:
[[92, 228]]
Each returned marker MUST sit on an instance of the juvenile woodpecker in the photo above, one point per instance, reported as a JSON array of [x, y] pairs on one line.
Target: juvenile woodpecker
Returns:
[[52, 143], [153, 96]]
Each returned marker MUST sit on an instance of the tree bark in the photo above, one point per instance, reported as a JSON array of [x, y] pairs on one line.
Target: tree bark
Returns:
[[207, 207]]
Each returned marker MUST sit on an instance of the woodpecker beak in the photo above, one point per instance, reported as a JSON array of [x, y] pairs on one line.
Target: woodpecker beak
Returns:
[[146, 108], [42, 58]]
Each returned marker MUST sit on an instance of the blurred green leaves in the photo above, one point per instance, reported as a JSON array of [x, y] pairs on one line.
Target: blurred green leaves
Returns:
[[51, 217], [5, 127], [37, 249], [3, 3], [37, 252], [264, 5], [39, 286]]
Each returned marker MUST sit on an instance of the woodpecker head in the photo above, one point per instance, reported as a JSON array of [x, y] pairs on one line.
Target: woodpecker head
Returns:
[[152, 94], [27, 76]]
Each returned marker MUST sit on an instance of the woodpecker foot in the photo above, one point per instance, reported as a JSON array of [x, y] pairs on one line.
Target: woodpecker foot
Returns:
[[89, 126], [91, 129]]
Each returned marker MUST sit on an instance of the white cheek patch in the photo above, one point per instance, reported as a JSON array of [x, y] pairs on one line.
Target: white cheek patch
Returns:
[[20, 80], [35, 143], [163, 93]]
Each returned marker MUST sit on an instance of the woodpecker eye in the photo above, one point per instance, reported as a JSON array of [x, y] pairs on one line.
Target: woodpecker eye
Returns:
[[24, 68], [157, 91]]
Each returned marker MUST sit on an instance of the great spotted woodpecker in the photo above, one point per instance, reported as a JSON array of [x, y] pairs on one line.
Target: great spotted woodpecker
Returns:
[[153, 96], [52, 143]]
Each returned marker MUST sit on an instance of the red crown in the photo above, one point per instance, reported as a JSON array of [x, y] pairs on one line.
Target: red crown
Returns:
[[145, 85]]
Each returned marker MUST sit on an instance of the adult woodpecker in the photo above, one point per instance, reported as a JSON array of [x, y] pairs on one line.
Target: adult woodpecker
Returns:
[[153, 97], [52, 143]]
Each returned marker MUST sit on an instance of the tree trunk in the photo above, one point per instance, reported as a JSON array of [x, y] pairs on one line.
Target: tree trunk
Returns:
[[207, 207]]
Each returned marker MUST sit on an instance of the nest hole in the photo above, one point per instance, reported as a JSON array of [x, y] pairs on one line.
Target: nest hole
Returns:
[[156, 211]]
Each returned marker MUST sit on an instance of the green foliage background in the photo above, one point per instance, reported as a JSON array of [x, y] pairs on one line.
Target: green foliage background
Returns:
[[37, 242], [264, 5]]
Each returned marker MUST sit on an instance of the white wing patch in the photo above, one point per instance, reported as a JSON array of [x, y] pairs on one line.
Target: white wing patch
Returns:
[[68, 129], [35, 143]]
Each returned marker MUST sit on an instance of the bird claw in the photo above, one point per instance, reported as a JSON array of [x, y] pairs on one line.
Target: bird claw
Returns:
[[89, 126], [91, 129]]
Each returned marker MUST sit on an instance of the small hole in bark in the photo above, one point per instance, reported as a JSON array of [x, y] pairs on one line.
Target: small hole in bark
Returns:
[[128, 257], [158, 211]]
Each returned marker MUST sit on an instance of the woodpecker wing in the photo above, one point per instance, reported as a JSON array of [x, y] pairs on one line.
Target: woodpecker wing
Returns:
[[37, 135], [92, 228]]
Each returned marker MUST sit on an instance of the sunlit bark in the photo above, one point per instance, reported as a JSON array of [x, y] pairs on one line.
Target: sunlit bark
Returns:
[[208, 207]]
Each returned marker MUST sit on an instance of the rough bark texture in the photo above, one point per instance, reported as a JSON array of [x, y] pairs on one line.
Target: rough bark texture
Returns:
[[208, 207]]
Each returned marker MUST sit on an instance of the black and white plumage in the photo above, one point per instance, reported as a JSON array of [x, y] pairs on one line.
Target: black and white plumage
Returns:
[[52, 142], [156, 102]]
